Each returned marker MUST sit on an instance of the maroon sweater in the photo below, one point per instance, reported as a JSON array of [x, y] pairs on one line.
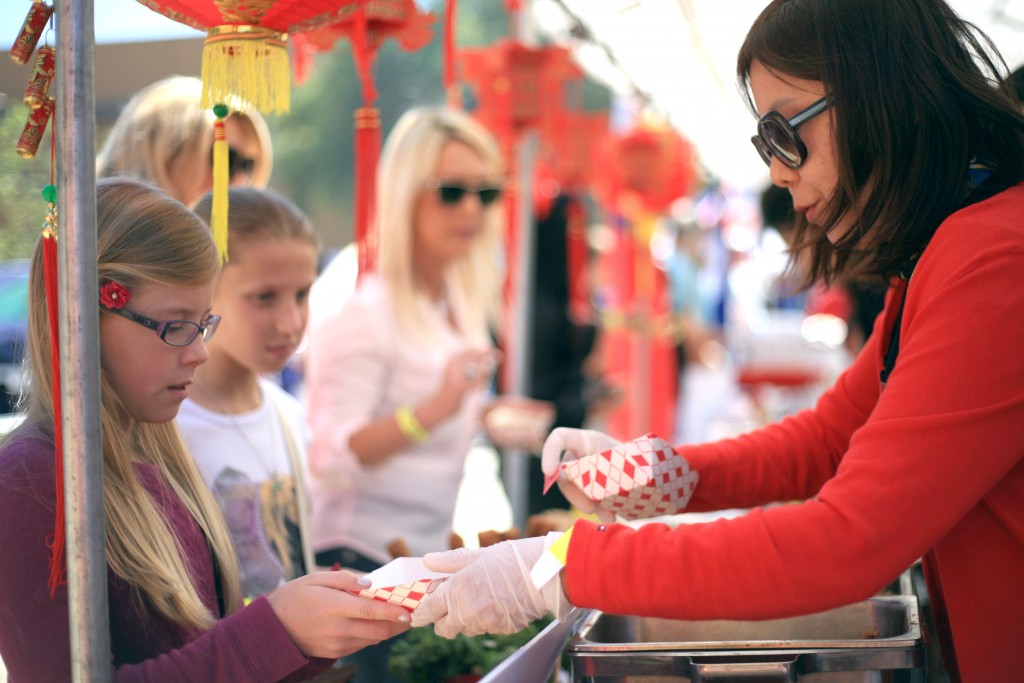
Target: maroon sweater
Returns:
[[250, 645], [932, 466]]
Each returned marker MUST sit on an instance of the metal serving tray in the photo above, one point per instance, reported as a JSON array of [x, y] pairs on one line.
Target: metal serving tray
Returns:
[[877, 640]]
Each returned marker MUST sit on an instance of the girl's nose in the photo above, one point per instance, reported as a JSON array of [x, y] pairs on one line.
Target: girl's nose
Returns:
[[291, 318], [195, 353]]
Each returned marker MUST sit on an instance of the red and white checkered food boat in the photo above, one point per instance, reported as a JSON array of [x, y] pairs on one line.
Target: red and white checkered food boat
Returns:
[[407, 595], [636, 479]]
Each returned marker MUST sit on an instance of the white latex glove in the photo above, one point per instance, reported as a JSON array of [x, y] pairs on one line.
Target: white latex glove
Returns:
[[490, 591], [565, 444]]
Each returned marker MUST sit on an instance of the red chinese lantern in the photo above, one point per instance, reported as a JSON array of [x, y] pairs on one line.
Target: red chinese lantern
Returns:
[[639, 175], [245, 59], [520, 88], [367, 26], [647, 169]]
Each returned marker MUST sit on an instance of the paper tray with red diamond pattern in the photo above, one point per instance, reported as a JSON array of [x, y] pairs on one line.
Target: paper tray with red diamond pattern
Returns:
[[407, 595], [404, 581], [641, 478]]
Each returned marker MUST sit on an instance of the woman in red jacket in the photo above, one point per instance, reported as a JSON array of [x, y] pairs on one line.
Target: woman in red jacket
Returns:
[[904, 157]]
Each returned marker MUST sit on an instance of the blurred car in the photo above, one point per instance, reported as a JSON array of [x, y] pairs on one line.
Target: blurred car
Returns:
[[13, 330]]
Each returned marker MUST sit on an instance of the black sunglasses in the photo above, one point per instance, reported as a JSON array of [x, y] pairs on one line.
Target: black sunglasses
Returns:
[[238, 165], [172, 332], [451, 192], [777, 136]]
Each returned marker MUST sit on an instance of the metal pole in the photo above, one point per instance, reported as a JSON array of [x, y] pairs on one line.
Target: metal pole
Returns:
[[79, 343], [516, 472], [515, 466]]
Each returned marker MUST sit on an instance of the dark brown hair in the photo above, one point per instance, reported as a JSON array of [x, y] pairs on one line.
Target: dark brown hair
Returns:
[[916, 94]]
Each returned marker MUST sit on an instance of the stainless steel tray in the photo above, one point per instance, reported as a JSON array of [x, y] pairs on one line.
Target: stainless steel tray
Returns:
[[878, 639]]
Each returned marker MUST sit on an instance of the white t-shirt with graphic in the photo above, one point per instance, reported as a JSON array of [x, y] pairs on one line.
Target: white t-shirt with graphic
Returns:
[[246, 463]]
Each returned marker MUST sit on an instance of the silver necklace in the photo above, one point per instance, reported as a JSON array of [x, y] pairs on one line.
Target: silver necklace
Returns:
[[272, 473]]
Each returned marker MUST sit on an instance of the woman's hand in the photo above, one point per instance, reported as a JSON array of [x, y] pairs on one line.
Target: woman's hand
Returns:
[[490, 591], [565, 445], [466, 371], [518, 422], [326, 620]]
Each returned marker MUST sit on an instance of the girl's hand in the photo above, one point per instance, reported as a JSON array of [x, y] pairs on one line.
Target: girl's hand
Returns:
[[326, 620]]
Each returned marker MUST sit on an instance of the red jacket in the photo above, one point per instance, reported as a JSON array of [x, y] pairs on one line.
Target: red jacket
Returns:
[[930, 466]]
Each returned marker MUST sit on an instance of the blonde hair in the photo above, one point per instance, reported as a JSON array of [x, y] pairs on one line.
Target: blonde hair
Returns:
[[407, 162], [143, 236], [259, 214], [164, 136]]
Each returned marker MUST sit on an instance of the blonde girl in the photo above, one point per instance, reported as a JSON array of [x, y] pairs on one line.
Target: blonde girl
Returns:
[[173, 584], [246, 433]]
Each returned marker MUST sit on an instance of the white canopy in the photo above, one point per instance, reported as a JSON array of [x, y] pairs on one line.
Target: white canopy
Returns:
[[681, 54]]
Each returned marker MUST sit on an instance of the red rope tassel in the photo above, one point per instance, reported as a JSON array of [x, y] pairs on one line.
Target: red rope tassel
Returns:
[[367, 143], [58, 569], [576, 251], [451, 88], [506, 379], [367, 148]]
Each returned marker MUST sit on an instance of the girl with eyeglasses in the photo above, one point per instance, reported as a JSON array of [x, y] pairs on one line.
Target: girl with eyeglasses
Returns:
[[397, 379], [175, 599], [903, 154]]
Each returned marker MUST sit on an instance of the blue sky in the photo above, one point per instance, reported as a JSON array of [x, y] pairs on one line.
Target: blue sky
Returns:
[[116, 21]]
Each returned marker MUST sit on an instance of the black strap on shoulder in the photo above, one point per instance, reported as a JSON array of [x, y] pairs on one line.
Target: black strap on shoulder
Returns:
[[894, 341], [975, 191]]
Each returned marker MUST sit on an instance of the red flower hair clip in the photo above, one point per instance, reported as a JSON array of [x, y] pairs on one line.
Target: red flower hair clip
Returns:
[[114, 295]]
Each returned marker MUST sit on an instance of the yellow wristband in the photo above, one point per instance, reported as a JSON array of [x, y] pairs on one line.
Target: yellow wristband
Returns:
[[552, 560], [410, 426]]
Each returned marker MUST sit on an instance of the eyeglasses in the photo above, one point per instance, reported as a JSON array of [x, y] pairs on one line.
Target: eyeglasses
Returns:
[[451, 193], [777, 136], [173, 332], [238, 165]]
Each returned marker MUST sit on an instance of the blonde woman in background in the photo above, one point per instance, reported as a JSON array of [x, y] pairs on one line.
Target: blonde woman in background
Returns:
[[164, 136], [397, 379]]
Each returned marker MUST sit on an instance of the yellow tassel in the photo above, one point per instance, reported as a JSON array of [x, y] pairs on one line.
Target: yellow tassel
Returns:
[[221, 181], [246, 66]]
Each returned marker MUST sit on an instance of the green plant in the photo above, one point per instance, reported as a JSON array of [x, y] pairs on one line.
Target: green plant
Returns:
[[423, 657]]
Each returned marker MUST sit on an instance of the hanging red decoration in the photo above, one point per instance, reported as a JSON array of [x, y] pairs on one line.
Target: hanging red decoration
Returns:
[[42, 75], [245, 58], [647, 168], [367, 26], [452, 90], [519, 88], [31, 30], [35, 127]]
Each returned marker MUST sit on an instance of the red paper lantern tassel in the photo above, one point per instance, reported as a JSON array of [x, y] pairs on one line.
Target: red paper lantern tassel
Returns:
[[452, 90], [506, 378], [58, 568], [367, 143], [576, 257], [367, 149]]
